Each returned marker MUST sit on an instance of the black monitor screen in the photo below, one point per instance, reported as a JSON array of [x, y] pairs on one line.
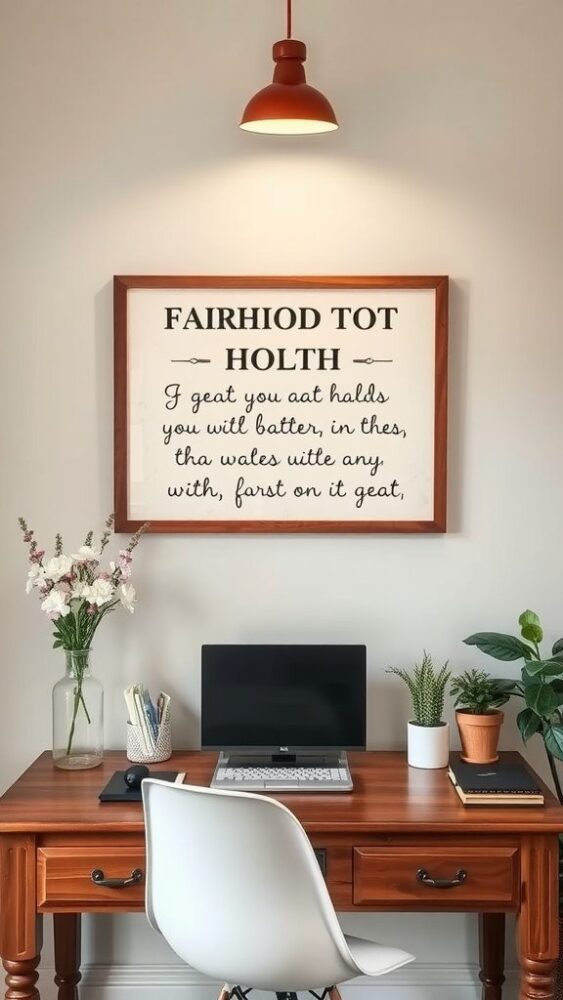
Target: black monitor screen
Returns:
[[272, 697]]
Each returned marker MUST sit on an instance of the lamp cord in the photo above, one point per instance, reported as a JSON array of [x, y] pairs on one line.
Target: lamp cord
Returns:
[[289, 18]]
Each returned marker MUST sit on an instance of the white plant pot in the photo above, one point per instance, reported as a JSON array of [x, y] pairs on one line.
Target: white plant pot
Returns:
[[428, 746]]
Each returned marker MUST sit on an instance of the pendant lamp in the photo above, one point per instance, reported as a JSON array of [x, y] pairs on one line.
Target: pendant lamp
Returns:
[[289, 106]]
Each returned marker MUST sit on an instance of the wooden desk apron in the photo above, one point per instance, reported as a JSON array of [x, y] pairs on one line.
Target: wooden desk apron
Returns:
[[401, 841]]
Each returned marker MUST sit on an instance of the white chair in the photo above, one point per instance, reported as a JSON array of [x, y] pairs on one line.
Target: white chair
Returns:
[[234, 887]]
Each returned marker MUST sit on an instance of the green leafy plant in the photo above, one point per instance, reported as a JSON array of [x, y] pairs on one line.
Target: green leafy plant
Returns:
[[427, 687], [540, 684], [477, 692]]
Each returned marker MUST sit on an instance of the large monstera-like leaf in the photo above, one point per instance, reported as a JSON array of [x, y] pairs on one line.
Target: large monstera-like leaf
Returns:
[[528, 723], [543, 699], [548, 668], [553, 736], [500, 646]]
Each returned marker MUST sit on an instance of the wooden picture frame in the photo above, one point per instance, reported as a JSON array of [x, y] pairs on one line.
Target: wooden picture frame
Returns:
[[409, 315]]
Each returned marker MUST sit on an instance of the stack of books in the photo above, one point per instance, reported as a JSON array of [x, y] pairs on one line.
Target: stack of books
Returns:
[[500, 784]]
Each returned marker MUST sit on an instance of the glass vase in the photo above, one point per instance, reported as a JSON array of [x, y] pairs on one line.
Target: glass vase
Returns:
[[78, 715]]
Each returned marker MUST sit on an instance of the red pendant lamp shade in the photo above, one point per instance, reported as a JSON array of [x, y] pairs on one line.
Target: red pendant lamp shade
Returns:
[[289, 106]]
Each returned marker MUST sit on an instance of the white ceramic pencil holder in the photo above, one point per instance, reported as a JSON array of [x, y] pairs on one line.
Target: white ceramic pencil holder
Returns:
[[136, 752]]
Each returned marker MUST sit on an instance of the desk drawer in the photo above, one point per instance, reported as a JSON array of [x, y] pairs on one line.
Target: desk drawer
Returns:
[[452, 877], [76, 877]]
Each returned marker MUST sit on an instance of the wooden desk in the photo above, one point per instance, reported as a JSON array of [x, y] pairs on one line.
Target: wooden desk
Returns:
[[54, 833]]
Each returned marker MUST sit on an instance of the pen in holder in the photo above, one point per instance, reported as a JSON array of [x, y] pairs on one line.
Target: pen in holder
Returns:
[[136, 744]]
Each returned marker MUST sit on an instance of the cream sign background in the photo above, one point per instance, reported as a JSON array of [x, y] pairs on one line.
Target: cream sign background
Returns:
[[305, 407]]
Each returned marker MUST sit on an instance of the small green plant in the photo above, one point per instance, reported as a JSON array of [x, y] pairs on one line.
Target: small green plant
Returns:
[[427, 687], [476, 692]]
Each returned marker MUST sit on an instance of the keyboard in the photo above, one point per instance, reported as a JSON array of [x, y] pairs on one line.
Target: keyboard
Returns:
[[285, 778]]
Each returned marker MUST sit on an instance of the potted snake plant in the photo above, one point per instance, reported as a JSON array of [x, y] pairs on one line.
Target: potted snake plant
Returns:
[[428, 739]]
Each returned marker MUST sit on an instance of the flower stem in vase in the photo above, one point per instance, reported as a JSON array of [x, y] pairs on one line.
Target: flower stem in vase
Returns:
[[78, 700]]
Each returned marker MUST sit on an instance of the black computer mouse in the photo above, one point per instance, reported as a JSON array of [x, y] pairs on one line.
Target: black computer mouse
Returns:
[[134, 775]]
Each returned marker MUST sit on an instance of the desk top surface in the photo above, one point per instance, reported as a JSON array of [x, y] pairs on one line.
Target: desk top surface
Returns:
[[388, 797]]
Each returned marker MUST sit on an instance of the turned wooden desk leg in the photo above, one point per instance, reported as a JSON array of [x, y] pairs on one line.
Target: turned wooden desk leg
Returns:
[[20, 927], [67, 954], [21, 978], [538, 920], [491, 954]]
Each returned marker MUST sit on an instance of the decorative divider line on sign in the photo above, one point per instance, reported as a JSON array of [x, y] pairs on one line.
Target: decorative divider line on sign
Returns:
[[191, 361], [373, 361]]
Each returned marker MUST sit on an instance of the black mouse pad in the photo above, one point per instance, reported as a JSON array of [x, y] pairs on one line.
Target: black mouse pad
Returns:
[[117, 791]]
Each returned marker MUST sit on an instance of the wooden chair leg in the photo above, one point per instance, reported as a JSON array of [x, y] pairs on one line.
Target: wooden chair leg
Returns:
[[334, 993], [225, 992]]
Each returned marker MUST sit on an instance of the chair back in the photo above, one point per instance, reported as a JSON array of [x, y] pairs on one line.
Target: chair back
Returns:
[[234, 886]]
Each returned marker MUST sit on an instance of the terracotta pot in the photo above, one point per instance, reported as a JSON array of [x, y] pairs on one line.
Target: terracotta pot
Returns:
[[479, 735]]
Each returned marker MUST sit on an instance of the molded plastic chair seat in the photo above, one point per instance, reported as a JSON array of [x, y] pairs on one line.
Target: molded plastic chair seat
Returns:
[[234, 887], [376, 959]]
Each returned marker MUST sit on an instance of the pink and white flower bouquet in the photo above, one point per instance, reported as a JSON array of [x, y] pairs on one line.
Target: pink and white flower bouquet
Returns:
[[75, 592]]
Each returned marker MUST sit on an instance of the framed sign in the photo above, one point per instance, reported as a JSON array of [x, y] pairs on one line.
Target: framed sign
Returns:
[[281, 404]]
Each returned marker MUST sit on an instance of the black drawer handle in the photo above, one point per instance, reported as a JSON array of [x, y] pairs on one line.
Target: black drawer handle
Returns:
[[441, 883], [116, 883]]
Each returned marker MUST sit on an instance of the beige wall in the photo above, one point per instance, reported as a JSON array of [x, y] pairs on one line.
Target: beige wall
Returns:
[[119, 153]]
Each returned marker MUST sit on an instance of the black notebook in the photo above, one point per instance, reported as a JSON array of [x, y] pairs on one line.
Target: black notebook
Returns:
[[499, 778], [494, 784]]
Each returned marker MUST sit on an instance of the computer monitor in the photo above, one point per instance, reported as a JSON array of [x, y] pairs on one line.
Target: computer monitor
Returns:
[[283, 699]]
